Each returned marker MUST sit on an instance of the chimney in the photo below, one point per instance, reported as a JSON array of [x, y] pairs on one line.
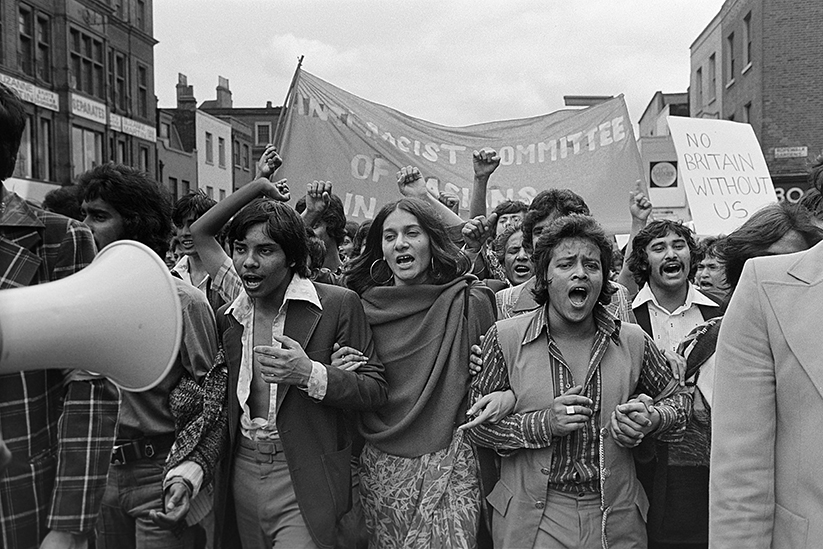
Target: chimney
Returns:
[[185, 93], [223, 93]]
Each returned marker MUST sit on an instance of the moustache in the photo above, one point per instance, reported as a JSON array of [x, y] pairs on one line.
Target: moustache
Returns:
[[670, 263]]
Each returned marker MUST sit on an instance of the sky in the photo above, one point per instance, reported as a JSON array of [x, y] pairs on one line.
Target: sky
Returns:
[[452, 62]]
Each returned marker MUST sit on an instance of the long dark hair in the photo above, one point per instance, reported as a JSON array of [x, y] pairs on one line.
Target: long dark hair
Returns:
[[370, 269]]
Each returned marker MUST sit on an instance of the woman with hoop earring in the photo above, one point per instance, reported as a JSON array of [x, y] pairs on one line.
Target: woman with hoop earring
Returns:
[[419, 482]]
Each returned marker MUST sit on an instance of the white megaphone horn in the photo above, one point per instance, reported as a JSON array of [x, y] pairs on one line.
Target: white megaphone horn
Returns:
[[119, 317]]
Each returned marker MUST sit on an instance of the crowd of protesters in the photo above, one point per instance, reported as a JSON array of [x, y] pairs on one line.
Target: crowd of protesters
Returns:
[[508, 379]]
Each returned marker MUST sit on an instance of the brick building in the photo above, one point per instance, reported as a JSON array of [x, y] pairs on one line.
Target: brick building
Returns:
[[763, 57], [85, 70], [205, 137], [252, 129]]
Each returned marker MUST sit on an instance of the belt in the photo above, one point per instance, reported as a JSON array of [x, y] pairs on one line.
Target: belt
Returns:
[[263, 446], [146, 447]]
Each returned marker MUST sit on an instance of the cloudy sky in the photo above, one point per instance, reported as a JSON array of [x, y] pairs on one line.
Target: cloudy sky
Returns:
[[452, 62]]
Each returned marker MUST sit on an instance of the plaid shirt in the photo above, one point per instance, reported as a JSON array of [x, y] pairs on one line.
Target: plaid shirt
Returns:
[[60, 431], [575, 461]]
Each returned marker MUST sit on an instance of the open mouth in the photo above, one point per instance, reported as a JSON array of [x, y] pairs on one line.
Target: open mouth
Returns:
[[578, 295], [522, 270], [672, 268], [404, 260], [252, 282]]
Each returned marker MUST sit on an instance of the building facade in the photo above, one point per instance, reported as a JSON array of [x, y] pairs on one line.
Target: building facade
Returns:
[[253, 128], [767, 54], [85, 69]]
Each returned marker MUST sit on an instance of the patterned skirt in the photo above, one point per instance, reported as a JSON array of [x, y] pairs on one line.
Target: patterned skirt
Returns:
[[431, 501]]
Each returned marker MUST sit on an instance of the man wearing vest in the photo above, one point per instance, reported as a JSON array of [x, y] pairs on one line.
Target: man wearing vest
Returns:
[[587, 389], [664, 257]]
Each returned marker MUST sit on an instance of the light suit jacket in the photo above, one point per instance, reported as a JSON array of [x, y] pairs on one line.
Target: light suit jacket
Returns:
[[766, 489]]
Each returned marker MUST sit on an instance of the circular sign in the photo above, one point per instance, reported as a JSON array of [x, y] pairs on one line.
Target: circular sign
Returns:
[[664, 174]]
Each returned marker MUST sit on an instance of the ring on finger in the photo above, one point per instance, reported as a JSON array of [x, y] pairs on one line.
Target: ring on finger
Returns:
[[569, 410]]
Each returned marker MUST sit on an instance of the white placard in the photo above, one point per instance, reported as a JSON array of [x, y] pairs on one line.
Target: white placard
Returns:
[[722, 168]]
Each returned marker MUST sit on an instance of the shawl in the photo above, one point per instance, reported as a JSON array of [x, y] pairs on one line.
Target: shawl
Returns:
[[422, 334]]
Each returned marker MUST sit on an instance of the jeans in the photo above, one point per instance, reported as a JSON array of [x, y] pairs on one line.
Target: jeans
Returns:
[[132, 490]]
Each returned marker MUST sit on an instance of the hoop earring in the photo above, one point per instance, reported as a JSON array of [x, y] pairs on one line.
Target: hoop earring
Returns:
[[433, 271], [371, 272]]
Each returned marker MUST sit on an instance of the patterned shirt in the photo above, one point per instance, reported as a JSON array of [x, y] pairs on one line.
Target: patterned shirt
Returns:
[[69, 425], [576, 456]]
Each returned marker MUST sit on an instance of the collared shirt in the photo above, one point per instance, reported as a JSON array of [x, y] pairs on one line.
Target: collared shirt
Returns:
[[39, 413], [576, 457], [242, 309], [182, 268], [670, 328], [227, 282]]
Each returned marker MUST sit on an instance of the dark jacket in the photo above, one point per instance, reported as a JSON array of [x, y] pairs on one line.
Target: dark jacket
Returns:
[[317, 439]]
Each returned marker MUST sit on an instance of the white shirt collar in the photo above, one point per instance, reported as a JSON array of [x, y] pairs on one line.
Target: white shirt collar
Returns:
[[299, 289], [693, 297]]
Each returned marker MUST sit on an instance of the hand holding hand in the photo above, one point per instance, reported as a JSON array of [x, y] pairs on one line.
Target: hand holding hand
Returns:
[[632, 421], [268, 163], [476, 231], [347, 358], [569, 412], [490, 408], [411, 183], [287, 364], [177, 501], [484, 162]]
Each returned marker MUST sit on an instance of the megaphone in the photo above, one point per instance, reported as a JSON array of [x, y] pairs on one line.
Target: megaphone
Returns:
[[119, 317]]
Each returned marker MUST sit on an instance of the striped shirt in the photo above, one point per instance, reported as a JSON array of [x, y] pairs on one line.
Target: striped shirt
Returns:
[[576, 456]]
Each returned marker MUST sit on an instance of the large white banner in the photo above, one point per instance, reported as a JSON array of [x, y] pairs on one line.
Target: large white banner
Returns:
[[358, 145], [723, 170]]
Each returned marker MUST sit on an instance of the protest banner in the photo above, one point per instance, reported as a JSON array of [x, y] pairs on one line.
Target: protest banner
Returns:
[[721, 165], [357, 145]]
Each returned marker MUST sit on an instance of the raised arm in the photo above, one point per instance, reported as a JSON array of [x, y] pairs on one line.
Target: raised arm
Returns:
[[640, 207], [411, 184], [204, 231], [484, 162]]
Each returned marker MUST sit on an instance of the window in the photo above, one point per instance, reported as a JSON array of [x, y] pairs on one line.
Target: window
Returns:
[[122, 153], [142, 92], [43, 60], [186, 188], [747, 40], [86, 55], [25, 59], [209, 149], [698, 88], [747, 113], [165, 130], [24, 167], [221, 152], [44, 150], [144, 158], [263, 133], [222, 194], [86, 149], [118, 83], [236, 153], [210, 191], [730, 58], [246, 157], [712, 77], [173, 188], [140, 15]]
